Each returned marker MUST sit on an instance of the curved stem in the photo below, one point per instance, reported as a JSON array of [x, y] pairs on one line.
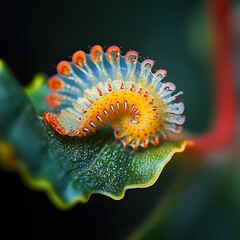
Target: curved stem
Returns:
[[226, 99]]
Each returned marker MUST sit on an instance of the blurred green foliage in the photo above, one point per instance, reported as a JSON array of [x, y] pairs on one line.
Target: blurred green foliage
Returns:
[[188, 201], [37, 91], [203, 206]]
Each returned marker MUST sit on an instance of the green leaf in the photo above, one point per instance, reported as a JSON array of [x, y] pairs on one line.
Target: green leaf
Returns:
[[71, 169], [37, 92]]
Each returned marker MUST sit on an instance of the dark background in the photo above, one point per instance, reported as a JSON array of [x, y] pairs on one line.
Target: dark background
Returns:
[[36, 35]]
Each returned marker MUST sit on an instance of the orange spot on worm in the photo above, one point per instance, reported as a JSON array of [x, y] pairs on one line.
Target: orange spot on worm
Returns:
[[148, 63], [122, 85], [156, 141], [53, 100], [55, 83], [131, 56], [79, 58], [64, 68], [111, 50], [145, 143], [96, 53], [52, 119]]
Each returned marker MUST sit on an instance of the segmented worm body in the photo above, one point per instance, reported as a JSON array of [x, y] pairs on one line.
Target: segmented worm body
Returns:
[[106, 87]]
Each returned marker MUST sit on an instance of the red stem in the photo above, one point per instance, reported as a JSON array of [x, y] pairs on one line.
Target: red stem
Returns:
[[224, 127]]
